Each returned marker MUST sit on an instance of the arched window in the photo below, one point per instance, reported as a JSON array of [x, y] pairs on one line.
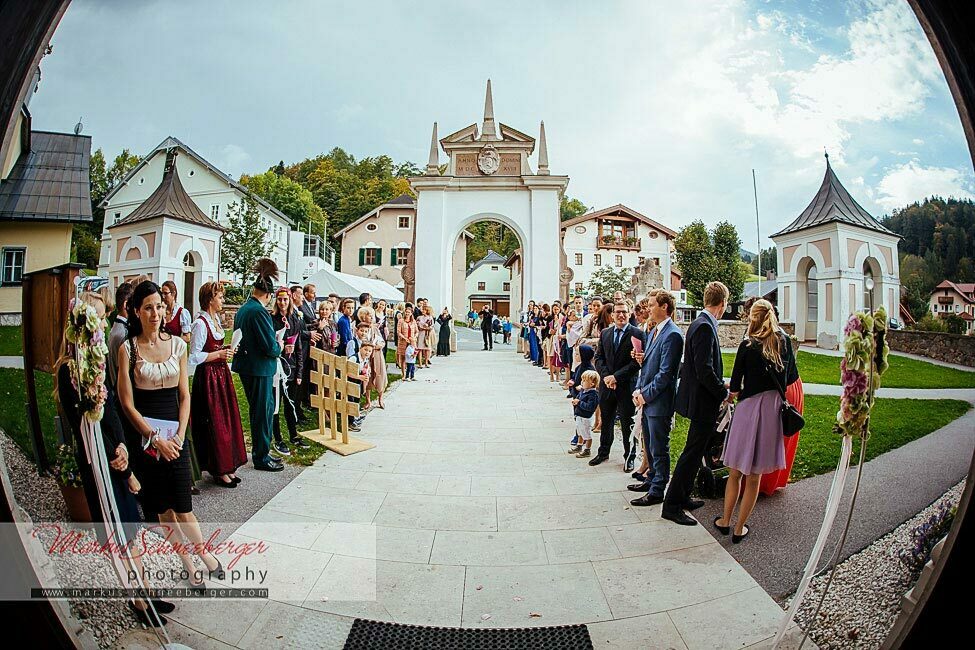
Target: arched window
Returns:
[[868, 279], [812, 295]]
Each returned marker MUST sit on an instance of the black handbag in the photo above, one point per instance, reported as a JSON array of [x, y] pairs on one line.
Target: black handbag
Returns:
[[792, 420]]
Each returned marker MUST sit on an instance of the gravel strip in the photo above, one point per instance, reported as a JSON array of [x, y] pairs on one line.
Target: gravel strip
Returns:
[[40, 497], [865, 597]]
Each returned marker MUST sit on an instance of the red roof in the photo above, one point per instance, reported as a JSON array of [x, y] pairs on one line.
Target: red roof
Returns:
[[964, 289]]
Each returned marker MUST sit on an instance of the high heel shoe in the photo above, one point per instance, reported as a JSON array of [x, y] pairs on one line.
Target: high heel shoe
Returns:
[[724, 530], [738, 539], [163, 606], [217, 573], [146, 617]]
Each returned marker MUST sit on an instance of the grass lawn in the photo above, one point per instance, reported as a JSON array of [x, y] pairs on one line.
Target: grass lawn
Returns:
[[11, 344], [903, 372], [13, 412], [895, 422]]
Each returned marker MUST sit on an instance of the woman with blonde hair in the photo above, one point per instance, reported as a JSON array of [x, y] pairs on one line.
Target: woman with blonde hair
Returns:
[[377, 363], [754, 445]]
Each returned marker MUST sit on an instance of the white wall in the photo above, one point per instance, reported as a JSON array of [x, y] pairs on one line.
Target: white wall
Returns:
[[494, 277], [528, 205], [209, 190], [586, 244]]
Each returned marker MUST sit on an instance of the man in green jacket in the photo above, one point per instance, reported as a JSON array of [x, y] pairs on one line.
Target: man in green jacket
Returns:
[[256, 362]]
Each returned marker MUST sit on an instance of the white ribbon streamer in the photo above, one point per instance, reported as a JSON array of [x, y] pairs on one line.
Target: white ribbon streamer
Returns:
[[832, 506]]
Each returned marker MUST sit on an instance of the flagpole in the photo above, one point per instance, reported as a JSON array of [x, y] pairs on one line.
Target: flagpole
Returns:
[[758, 232]]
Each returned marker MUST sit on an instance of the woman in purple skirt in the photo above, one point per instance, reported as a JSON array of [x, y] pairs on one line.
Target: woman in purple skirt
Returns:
[[754, 445]]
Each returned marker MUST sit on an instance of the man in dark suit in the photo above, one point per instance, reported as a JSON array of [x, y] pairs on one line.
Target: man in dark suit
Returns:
[[699, 395], [618, 370], [656, 390], [487, 325]]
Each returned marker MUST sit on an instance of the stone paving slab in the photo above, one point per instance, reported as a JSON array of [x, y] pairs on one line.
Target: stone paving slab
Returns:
[[469, 512]]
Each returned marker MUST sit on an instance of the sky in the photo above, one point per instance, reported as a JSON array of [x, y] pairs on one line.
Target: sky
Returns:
[[662, 106]]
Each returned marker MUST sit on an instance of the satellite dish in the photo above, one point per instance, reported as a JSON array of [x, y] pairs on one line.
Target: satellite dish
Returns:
[[78, 127]]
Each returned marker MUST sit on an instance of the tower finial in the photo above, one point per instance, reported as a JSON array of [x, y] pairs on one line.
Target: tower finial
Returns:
[[433, 164], [488, 132], [826, 154], [542, 151]]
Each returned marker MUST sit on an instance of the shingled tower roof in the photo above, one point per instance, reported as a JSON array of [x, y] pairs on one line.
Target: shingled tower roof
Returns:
[[833, 203], [170, 200]]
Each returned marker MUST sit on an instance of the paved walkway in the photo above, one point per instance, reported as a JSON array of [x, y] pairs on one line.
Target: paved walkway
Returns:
[[12, 362], [469, 513]]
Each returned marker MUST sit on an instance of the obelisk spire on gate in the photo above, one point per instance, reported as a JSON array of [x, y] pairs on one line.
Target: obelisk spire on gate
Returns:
[[489, 131], [542, 151], [433, 164]]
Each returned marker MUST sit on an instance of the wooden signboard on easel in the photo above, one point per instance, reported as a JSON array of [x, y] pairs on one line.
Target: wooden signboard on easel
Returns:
[[331, 377]]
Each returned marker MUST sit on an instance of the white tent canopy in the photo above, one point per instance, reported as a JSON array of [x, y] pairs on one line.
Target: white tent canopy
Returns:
[[327, 281]]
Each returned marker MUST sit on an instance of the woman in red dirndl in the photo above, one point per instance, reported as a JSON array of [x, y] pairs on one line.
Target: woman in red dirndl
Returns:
[[794, 395], [218, 436]]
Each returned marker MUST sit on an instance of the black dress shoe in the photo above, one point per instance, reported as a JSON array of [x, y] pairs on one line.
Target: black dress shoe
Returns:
[[195, 491], [737, 539], [724, 530], [628, 465], [679, 517], [147, 618], [639, 487], [693, 504], [225, 484], [236, 480], [648, 500], [597, 459], [272, 466], [162, 606], [638, 476]]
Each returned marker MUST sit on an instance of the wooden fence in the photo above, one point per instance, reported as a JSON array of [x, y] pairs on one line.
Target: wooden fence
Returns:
[[337, 399]]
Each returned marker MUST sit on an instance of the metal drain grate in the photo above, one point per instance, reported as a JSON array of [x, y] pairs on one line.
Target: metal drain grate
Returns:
[[377, 635]]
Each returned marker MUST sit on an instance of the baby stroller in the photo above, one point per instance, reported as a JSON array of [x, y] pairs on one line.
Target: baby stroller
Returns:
[[713, 475]]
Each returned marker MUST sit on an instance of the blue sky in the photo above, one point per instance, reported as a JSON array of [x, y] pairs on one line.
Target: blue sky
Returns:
[[663, 106]]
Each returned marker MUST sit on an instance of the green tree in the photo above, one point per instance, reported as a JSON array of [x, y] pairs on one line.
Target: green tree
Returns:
[[695, 257], [245, 241], [727, 252], [85, 237], [606, 280], [490, 235], [769, 260], [289, 197], [571, 208]]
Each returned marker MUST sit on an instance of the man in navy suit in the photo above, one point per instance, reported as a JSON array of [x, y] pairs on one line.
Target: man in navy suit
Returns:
[[656, 390], [699, 396], [618, 370]]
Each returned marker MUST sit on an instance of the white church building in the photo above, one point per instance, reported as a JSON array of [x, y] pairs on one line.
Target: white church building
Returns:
[[142, 237], [834, 259]]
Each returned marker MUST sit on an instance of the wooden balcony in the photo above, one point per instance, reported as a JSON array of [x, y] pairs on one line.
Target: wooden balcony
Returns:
[[609, 242], [946, 300]]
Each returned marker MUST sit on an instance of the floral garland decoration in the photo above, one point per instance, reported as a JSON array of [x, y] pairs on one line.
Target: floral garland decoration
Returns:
[[86, 331], [865, 344]]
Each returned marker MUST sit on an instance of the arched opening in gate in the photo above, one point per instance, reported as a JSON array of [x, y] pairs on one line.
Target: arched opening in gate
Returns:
[[192, 266], [484, 269]]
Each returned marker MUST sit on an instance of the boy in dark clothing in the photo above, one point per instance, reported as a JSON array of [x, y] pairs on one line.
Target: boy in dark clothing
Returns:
[[585, 406]]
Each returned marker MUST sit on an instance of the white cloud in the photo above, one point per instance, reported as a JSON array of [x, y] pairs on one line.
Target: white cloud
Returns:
[[233, 160], [911, 181], [918, 141]]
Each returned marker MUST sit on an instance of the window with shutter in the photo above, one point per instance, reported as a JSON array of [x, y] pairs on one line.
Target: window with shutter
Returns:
[[379, 257], [392, 257], [362, 256]]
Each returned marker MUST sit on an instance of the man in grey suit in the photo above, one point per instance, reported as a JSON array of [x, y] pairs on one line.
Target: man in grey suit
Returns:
[[655, 391]]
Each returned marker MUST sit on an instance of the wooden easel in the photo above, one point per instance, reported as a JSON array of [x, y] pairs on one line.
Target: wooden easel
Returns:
[[331, 376]]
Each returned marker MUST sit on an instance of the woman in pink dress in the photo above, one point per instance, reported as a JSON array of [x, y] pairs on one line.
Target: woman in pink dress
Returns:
[[425, 338]]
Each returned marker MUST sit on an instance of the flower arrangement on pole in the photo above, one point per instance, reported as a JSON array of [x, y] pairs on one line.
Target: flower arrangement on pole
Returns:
[[864, 363], [86, 331]]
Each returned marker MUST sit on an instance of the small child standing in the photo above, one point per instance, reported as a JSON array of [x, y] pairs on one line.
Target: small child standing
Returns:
[[585, 412], [410, 363], [362, 357]]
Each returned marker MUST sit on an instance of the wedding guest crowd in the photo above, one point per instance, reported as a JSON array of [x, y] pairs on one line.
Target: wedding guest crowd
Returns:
[[646, 369]]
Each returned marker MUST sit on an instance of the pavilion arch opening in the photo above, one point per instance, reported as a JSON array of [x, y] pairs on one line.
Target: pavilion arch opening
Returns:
[[807, 300], [192, 268]]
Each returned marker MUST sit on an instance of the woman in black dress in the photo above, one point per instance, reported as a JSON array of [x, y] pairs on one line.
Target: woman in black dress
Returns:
[[154, 392], [124, 484], [443, 340]]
